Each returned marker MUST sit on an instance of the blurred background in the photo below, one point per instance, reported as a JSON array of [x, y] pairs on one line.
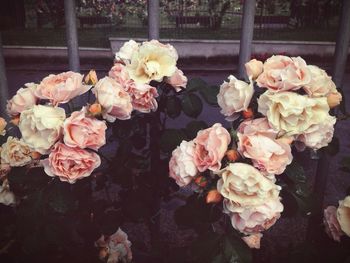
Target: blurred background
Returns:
[[41, 22]]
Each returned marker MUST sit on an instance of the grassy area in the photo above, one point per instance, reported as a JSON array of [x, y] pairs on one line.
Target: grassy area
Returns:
[[98, 37]]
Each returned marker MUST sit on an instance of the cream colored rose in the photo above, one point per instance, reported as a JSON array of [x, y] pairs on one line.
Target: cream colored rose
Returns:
[[244, 185], [292, 113], [343, 215], [282, 73], [151, 62], [115, 101], [3, 125], [6, 196], [41, 127], [254, 219], [318, 135], [254, 68], [23, 100], [320, 85], [15, 152], [234, 96], [127, 50], [334, 98]]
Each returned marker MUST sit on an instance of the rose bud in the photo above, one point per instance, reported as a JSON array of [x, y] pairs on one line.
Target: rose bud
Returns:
[[201, 181], [91, 78], [248, 114], [103, 253], [3, 124], [15, 120], [232, 155], [35, 155], [334, 99], [213, 196], [95, 109], [254, 68]]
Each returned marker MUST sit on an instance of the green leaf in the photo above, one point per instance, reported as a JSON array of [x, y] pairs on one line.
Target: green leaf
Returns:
[[61, 199], [206, 247], [173, 107], [345, 163], [209, 94], [296, 172], [170, 139], [192, 105], [193, 127], [235, 249], [196, 84]]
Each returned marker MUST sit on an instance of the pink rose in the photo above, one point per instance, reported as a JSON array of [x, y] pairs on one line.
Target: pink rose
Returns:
[[181, 166], [331, 224], [23, 100], [177, 80], [116, 247], [115, 101], [254, 68], [253, 219], [120, 74], [143, 97], [282, 73], [85, 132], [61, 88], [211, 145], [258, 142], [4, 170], [70, 164]]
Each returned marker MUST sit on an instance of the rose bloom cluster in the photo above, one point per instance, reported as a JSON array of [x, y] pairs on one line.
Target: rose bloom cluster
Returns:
[[128, 85], [294, 108], [337, 220]]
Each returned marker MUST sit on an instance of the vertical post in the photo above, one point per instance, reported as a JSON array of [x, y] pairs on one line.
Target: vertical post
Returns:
[[342, 44], [247, 30], [71, 35], [153, 19], [340, 57], [3, 83]]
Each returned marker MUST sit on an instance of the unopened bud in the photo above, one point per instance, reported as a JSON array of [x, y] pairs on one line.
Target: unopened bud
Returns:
[[35, 155], [248, 114], [201, 181], [95, 109], [91, 78], [213, 197], [232, 155]]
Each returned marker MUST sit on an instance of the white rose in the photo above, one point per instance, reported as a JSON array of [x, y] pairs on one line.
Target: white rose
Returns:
[[234, 96], [41, 126], [15, 152], [152, 61], [331, 223], [181, 166], [343, 215], [126, 51], [320, 85], [23, 100], [115, 101], [254, 68], [292, 113], [244, 185], [318, 135], [253, 219]]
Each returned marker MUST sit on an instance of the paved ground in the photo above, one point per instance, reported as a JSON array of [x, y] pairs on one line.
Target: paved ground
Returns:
[[288, 231]]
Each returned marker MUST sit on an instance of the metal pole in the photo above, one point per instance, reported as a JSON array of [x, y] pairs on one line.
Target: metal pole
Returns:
[[247, 30], [3, 83], [71, 35], [342, 45], [153, 19]]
